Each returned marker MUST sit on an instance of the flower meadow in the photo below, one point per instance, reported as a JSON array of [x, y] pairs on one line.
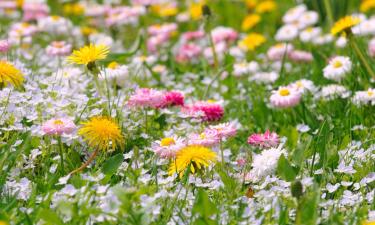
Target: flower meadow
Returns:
[[187, 112]]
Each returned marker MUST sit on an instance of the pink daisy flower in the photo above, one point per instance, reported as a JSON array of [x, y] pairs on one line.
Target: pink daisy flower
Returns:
[[285, 97], [172, 98], [266, 140], [34, 11], [207, 111], [58, 126], [188, 52], [146, 97], [300, 56], [224, 130], [207, 138], [4, 46], [58, 48], [192, 35], [168, 147]]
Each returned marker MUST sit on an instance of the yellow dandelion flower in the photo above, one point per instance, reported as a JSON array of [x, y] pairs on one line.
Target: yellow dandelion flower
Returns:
[[265, 6], [196, 156], [344, 24], [165, 10], [101, 132], [250, 21], [9, 74], [195, 10], [73, 9], [88, 54], [252, 41], [367, 5]]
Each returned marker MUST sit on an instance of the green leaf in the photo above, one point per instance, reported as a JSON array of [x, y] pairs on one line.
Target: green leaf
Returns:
[[285, 170], [50, 217], [307, 211], [112, 164], [203, 205]]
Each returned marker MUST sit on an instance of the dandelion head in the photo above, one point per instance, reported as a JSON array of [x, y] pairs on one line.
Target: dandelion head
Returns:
[[101, 132], [88, 54], [344, 24], [9, 74], [195, 156]]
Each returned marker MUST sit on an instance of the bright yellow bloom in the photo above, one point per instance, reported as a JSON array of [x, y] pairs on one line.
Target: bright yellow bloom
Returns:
[[367, 5], [101, 132], [196, 156], [344, 24], [165, 10], [9, 74], [73, 9], [368, 223], [88, 54], [250, 21], [86, 31], [2, 222], [252, 41], [265, 6], [195, 10]]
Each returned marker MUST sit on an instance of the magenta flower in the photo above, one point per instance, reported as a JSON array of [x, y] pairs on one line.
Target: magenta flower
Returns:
[[146, 97], [207, 111], [266, 140], [58, 126], [172, 98]]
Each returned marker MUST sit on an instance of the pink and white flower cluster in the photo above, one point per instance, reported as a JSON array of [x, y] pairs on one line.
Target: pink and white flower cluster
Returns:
[[150, 98], [266, 140], [159, 35], [280, 51], [58, 48], [205, 110], [58, 126]]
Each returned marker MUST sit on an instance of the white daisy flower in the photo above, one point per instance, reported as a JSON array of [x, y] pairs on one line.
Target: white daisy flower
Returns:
[[364, 97], [310, 33], [286, 33], [337, 68]]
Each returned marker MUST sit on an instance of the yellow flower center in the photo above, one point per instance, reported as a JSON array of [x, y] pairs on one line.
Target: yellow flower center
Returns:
[[58, 122], [370, 93], [113, 65], [143, 58], [202, 135], [210, 101], [337, 64], [167, 141], [58, 44], [55, 18], [25, 25], [284, 92], [299, 84]]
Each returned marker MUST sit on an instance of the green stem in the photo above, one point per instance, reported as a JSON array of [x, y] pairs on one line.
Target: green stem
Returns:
[[61, 149], [327, 5], [216, 61], [361, 57]]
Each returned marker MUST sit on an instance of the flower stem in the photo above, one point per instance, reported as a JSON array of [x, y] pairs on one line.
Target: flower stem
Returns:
[[92, 157], [362, 58], [61, 149]]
